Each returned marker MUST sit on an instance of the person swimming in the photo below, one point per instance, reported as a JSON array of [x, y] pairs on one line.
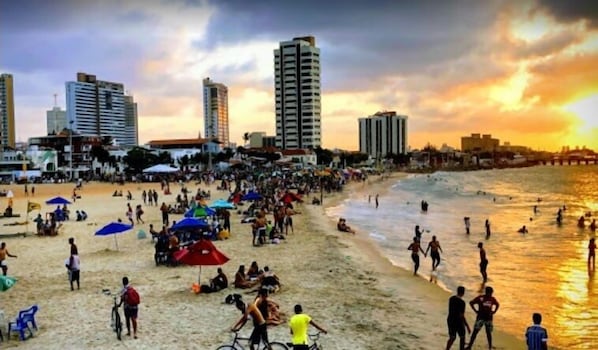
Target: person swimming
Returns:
[[523, 229]]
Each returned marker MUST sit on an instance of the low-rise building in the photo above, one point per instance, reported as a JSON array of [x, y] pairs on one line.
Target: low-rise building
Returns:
[[477, 143]]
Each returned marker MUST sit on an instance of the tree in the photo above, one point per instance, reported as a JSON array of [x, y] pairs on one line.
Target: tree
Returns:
[[139, 158], [100, 154], [324, 155]]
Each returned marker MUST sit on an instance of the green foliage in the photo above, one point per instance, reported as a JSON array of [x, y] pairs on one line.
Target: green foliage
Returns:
[[100, 153], [139, 158], [324, 155]]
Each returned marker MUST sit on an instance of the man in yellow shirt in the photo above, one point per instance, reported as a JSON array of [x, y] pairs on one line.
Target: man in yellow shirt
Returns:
[[299, 324]]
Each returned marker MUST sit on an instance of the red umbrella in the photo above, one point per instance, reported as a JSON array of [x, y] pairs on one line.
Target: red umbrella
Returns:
[[290, 197], [202, 252]]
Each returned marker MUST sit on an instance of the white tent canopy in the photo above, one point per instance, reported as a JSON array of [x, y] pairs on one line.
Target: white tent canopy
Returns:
[[160, 168]]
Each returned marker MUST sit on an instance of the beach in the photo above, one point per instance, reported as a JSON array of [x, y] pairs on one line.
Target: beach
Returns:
[[341, 280]]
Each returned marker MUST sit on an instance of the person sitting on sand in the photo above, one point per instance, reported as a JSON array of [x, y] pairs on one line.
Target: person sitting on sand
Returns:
[[254, 270], [219, 282], [241, 280], [269, 280], [8, 211], [343, 227]]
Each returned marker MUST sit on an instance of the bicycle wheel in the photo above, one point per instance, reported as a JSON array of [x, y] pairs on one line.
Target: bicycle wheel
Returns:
[[274, 345], [226, 347], [118, 327]]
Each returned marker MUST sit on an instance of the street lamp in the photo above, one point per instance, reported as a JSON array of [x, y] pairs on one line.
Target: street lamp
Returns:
[[71, 150]]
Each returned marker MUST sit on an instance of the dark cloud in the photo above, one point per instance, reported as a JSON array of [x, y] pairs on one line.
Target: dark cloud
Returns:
[[571, 11]]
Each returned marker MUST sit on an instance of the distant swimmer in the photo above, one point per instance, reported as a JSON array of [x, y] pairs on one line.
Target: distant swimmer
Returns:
[[487, 225], [418, 233], [483, 262], [559, 216], [415, 248], [376, 200], [581, 222], [539, 199], [592, 254], [467, 224], [523, 229], [535, 209], [593, 225], [435, 250]]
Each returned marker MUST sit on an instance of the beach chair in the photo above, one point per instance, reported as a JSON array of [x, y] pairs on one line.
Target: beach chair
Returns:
[[22, 322]]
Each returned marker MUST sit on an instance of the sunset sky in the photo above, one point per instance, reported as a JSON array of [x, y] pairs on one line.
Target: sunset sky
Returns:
[[524, 71]]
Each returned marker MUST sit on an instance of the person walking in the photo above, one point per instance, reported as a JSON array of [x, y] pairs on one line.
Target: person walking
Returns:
[[164, 210], [415, 248], [536, 336], [376, 200], [487, 306], [456, 321], [130, 298], [3, 255], [467, 224], [487, 225], [483, 262], [435, 250], [592, 254], [299, 324], [138, 214], [260, 328]]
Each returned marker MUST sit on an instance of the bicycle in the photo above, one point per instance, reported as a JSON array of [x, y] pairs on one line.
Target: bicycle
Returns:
[[236, 344], [115, 321], [314, 337]]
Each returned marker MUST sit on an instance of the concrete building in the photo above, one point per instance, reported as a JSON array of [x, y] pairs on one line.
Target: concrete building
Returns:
[[7, 112], [56, 121], [297, 90], [215, 111], [96, 107], [131, 122], [383, 133], [261, 140], [477, 143]]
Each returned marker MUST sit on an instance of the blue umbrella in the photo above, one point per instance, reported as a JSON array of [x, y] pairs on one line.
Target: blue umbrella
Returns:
[[112, 229], [58, 200], [222, 204], [252, 196], [190, 224]]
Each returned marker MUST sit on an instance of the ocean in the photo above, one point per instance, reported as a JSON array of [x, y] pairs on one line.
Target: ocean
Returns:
[[542, 271]]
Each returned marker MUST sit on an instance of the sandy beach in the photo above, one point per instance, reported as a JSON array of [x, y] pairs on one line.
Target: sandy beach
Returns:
[[342, 282]]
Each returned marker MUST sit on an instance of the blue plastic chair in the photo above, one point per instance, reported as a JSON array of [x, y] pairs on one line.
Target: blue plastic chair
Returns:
[[21, 324]]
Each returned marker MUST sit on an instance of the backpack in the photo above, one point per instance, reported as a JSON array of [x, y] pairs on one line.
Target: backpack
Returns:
[[132, 297]]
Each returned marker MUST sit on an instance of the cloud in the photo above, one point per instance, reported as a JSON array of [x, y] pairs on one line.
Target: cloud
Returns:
[[572, 11]]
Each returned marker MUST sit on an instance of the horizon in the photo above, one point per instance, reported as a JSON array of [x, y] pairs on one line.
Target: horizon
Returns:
[[523, 72]]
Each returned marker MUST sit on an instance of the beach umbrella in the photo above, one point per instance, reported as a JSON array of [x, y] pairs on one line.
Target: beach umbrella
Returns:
[[6, 282], [252, 196], [58, 200], [9, 194], [291, 197], [222, 204], [201, 253], [199, 211], [190, 224], [112, 229]]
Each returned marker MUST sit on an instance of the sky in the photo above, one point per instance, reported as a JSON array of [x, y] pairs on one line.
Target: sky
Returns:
[[524, 71]]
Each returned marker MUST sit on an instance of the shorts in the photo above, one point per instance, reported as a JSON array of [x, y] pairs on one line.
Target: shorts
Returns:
[[74, 275], [483, 265], [260, 332], [131, 312], [300, 347], [487, 323], [415, 258], [3, 263], [456, 327], [435, 256]]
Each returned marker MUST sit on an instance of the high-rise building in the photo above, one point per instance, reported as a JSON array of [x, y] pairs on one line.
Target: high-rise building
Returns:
[[297, 87], [96, 107], [56, 121], [383, 133], [7, 112], [215, 111], [131, 122]]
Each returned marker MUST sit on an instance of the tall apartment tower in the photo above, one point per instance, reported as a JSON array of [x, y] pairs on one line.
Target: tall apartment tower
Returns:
[[56, 120], [215, 111], [7, 112], [297, 86], [131, 122], [96, 107], [383, 133]]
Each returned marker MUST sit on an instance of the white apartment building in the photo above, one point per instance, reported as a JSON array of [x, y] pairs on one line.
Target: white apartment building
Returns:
[[215, 111], [383, 133], [297, 87], [131, 122], [56, 120], [96, 107]]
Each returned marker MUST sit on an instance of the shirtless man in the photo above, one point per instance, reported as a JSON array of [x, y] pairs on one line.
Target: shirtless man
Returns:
[[3, 254], [591, 253], [256, 311], [415, 248], [259, 229], [483, 262], [434, 247]]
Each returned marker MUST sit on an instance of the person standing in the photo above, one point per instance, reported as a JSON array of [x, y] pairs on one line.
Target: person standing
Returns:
[[483, 262], [130, 298], [260, 328], [3, 255], [467, 224], [376, 200], [32, 191], [415, 248], [456, 321], [592, 254], [26, 191], [487, 225], [144, 197], [487, 306], [299, 324], [434, 248], [164, 210], [129, 214], [536, 336], [73, 264]]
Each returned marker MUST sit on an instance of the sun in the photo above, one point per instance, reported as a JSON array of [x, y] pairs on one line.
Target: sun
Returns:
[[586, 111]]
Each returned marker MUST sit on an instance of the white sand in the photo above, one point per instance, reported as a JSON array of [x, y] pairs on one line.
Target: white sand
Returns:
[[340, 279]]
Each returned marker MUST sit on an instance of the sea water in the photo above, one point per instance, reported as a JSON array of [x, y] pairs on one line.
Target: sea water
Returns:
[[542, 271]]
